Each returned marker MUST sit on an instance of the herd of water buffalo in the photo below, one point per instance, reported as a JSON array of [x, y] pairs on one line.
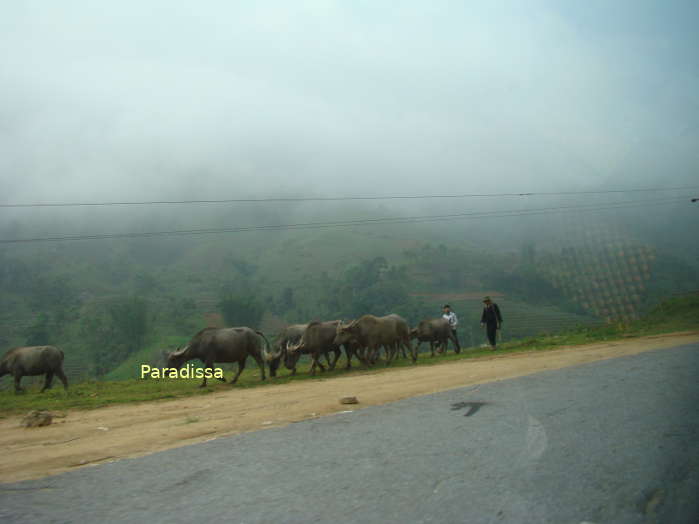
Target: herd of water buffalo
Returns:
[[362, 339]]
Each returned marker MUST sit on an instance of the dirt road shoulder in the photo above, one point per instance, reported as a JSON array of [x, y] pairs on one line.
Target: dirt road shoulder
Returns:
[[89, 437]]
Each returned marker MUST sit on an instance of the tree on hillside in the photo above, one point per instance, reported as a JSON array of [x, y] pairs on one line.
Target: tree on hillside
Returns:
[[38, 334], [285, 302], [147, 283], [444, 268], [130, 321], [246, 269], [113, 332], [372, 287], [240, 310], [180, 314]]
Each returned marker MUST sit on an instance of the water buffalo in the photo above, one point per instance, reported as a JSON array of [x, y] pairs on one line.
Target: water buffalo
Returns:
[[31, 361], [212, 345], [318, 340], [435, 330], [289, 335], [371, 333]]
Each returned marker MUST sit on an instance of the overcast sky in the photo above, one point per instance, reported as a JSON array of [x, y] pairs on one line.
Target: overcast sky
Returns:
[[138, 99]]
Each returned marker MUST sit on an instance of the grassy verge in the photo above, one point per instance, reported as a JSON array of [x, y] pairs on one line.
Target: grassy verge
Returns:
[[677, 314]]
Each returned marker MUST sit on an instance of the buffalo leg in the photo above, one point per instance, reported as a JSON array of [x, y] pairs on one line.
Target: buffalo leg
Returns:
[[241, 367], [371, 355], [367, 355], [47, 382], [337, 351], [442, 346], [261, 364], [273, 366], [331, 363], [62, 377], [395, 355], [18, 378], [290, 363], [391, 353], [207, 365], [411, 352], [222, 379], [316, 361], [348, 353], [374, 354], [363, 356]]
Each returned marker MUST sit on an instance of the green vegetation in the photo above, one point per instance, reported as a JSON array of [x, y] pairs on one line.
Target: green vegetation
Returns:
[[150, 354], [676, 314], [110, 304], [241, 311]]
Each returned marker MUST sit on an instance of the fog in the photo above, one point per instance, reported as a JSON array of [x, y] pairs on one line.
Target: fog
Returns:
[[161, 100]]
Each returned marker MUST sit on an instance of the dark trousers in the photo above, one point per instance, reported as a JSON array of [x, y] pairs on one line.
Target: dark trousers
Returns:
[[492, 332], [456, 338]]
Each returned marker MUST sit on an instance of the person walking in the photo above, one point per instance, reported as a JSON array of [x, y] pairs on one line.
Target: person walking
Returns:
[[492, 320], [450, 316]]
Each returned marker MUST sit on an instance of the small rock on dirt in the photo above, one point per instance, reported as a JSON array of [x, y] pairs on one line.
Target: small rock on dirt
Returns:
[[349, 400], [35, 419]]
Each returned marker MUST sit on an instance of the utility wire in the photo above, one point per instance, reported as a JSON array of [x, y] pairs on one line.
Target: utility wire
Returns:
[[356, 222], [342, 198]]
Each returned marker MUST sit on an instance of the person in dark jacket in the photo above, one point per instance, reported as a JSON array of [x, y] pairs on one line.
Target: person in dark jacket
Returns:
[[492, 320]]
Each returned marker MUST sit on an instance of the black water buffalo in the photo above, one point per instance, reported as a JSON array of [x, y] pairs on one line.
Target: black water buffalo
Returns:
[[371, 333], [32, 361], [224, 345], [289, 335], [435, 331], [317, 340]]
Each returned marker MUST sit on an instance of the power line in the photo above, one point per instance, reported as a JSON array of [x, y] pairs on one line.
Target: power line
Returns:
[[350, 223], [342, 198]]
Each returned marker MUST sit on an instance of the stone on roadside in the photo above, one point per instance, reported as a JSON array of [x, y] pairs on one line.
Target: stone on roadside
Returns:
[[35, 419], [349, 400]]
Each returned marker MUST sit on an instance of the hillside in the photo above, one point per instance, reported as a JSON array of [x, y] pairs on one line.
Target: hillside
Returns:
[[109, 304]]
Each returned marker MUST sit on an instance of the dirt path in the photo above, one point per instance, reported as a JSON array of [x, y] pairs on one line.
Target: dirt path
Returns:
[[90, 437]]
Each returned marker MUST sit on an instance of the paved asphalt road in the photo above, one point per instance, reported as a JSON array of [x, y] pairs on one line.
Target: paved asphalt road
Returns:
[[612, 441]]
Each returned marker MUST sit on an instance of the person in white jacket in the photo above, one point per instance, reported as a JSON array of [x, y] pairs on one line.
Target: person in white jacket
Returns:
[[450, 316]]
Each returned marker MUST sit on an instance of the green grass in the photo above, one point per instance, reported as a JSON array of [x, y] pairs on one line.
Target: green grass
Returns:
[[673, 315], [130, 367]]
